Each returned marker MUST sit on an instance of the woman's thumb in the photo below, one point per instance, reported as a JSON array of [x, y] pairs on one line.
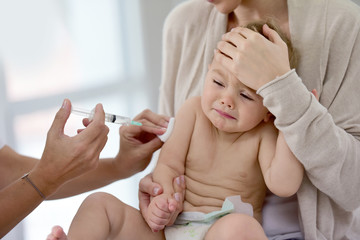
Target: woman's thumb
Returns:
[[153, 145], [61, 117]]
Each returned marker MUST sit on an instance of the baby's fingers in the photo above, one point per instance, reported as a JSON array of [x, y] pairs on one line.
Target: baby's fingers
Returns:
[[158, 219], [162, 209], [316, 94], [155, 227], [157, 223]]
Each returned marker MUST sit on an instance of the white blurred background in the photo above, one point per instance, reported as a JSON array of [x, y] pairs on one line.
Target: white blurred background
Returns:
[[89, 51]]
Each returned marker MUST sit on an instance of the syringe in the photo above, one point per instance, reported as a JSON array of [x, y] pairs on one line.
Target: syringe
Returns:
[[109, 117]]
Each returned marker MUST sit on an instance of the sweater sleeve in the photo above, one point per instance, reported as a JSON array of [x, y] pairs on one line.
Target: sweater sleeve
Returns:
[[329, 150], [184, 59], [170, 63]]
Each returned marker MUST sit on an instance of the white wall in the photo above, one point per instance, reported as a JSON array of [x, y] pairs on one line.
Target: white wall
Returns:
[[142, 36]]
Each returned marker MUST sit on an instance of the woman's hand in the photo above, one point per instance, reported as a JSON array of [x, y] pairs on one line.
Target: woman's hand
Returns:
[[138, 143], [179, 195], [252, 58], [64, 157]]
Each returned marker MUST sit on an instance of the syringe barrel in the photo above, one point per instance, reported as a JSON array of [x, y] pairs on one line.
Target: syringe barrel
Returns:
[[108, 117]]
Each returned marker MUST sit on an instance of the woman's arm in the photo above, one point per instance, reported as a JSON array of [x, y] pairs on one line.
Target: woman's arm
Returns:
[[16, 201], [13, 166], [63, 159]]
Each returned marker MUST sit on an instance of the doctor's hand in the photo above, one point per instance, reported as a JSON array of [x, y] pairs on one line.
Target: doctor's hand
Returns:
[[64, 157], [251, 57], [138, 143]]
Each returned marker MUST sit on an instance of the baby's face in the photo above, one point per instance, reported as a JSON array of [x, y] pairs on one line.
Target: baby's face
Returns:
[[229, 104]]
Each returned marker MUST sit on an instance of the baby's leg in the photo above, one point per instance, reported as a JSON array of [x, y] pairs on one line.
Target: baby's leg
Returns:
[[236, 226], [103, 216]]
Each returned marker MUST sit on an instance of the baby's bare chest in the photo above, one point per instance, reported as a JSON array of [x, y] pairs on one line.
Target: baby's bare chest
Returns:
[[224, 164], [207, 154]]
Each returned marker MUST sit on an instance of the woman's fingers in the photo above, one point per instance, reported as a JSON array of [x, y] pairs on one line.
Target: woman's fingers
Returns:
[[227, 49], [223, 59], [96, 128], [154, 130], [148, 186], [272, 35], [153, 118], [86, 122], [61, 118]]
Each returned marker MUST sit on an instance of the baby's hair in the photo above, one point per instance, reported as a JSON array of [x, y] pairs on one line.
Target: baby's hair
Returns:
[[258, 27]]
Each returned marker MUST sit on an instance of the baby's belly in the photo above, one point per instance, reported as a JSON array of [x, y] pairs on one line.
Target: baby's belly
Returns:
[[207, 195]]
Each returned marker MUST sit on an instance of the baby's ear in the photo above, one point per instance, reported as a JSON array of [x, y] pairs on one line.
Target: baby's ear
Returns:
[[268, 116]]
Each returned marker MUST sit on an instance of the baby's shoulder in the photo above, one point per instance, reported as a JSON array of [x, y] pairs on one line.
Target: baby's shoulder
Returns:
[[268, 131], [193, 103], [265, 129], [191, 106]]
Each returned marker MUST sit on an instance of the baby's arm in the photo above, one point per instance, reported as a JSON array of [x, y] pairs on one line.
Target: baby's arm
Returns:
[[171, 161], [173, 153], [282, 171]]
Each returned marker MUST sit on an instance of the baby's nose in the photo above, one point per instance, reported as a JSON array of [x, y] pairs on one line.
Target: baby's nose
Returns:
[[228, 102]]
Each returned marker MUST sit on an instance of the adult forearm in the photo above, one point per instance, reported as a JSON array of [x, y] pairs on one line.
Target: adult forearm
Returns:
[[13, 166], [16, 202], [105, 173]]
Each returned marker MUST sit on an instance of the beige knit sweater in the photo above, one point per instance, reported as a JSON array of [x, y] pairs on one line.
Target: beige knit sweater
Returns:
[[325, 137]]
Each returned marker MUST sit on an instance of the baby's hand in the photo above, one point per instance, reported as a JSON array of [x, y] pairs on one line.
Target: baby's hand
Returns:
[[159, 212], [314, 91]]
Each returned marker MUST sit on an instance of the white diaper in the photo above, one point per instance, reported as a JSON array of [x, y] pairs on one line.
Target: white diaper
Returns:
[[194, 225]]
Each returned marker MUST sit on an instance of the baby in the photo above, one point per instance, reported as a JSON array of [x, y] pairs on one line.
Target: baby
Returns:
[[225, 144]]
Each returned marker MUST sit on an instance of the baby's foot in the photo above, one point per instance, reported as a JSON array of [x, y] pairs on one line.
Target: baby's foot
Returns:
[[57, 233]]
